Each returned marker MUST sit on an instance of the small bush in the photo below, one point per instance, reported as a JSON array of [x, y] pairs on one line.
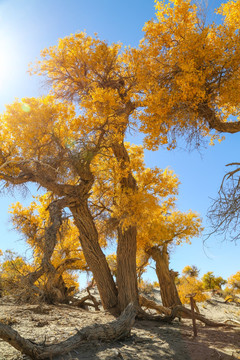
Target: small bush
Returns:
[[145, 287]]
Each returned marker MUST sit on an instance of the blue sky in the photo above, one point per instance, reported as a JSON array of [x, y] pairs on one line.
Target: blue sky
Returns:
[[28, 26]]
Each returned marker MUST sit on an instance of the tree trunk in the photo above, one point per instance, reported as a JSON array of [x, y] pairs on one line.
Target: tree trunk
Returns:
[[126, 268], [94, 256], [127, 240], [54, 289], [167, 285]]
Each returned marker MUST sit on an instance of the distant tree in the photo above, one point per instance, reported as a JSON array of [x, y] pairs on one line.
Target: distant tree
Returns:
[[234, 282], [192, 271], [210, 282], [191, 285], [13, 269]]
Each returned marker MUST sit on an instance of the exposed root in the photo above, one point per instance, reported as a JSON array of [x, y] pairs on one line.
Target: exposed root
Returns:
[[180, 311], [83, 303], [117, 329], [150, 304]]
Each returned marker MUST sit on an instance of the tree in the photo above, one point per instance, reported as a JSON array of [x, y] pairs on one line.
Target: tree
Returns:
[[211, 282], [234, 282], [152, 209], [116, 208], [94, 75], [51, 278], [160, 235], [193, 88], [48, 146], [12, 269], [189, 284], [192, 271], [192, 71]]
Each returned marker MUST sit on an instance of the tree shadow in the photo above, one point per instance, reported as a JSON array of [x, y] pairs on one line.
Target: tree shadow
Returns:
[[152, 340]]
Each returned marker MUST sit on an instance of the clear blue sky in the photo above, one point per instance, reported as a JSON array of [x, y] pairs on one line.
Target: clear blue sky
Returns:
[[28, 26]]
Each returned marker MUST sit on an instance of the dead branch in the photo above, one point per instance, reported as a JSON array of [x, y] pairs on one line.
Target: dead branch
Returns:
[[117, 329], [224, 211], [94, 300], [179, 311]]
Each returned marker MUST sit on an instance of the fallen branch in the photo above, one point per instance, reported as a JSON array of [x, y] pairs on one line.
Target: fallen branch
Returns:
[[180, 311], [117, 329]]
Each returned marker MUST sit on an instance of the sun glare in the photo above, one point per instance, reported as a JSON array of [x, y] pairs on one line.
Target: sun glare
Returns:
[[8, 60]]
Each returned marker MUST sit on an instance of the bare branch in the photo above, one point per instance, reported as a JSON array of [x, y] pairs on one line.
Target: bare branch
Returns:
[[224, 213]]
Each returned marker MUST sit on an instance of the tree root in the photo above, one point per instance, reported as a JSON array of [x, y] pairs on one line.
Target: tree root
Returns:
[[82, 303], [114, 330], [150, 304], [180, 311]]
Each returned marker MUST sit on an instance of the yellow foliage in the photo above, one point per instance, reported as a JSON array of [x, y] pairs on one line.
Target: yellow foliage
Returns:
[[31, 222], [212, 282], [234, 282], [13, 268], [132, 207], [189, 72], [190, 271], [169, 226], [112, 263], [183, 80], [188, 285], [145, 287]]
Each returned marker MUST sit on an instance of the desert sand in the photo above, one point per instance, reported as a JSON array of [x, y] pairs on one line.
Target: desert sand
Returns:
[[148, 340]]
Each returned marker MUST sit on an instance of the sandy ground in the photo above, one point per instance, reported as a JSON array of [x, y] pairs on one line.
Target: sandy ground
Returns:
[[148, 340]]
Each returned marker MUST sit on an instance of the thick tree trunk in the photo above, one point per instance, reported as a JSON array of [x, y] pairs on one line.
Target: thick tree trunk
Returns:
[[126, 268], [127, 240], [94, 256], [167, 285]]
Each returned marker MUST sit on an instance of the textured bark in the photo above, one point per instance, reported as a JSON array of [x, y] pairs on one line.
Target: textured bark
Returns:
[[55, 289], [94, 256], [117, 329], [167, 285], [127, 241], [83, 303], [150, 304], [126, 267]]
